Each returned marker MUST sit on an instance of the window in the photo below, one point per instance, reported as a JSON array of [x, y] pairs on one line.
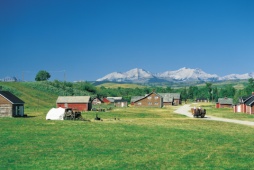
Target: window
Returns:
[[156, 103], [149, 103], [139, 103], [156, 97], [149, 97]]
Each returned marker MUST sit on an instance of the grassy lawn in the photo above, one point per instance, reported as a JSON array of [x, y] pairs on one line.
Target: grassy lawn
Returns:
[[139, 138], [223, 112]]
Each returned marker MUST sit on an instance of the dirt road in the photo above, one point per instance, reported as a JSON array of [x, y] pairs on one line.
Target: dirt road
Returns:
[[184, 110]]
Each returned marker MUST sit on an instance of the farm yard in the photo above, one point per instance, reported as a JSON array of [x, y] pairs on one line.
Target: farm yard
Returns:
[[126, 138], [126, 85], [138, 139]]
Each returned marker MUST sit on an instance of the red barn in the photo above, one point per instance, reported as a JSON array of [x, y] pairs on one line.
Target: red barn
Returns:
[[80, 103]]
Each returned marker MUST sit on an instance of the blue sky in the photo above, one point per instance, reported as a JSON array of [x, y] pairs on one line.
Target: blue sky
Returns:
[[87, 39]]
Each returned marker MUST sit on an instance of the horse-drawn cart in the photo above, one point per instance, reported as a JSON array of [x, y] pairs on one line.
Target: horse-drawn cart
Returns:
[[198, 112], [71, 114]]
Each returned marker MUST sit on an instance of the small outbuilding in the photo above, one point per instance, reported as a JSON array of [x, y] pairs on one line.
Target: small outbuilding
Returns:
[[201, 99], [11, 105], [121, 103], [80, 103], [96, 101], [177, 98], [224, 103], [168, 99]]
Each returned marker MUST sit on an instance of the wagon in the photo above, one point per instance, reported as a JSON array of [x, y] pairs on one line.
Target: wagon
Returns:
[[71, 114], [198, 112]]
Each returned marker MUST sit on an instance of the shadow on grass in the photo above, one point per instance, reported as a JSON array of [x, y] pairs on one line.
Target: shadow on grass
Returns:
[[24, 117]]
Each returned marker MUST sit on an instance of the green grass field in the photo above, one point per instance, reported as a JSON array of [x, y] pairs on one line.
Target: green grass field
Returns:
[[138, 139], [127, 138]]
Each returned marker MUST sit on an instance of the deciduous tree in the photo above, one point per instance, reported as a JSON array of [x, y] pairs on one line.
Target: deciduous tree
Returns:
[[42, 75]]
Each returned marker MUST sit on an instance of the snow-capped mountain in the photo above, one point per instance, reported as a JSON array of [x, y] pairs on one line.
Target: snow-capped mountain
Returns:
[[183, 74], [131, 75], [237, 76], [187, 74]]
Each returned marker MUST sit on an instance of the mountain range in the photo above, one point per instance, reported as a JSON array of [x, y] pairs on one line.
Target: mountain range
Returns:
[[184, 74]]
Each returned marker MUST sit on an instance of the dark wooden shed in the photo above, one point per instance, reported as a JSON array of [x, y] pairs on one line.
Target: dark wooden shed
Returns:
[[10, 105]]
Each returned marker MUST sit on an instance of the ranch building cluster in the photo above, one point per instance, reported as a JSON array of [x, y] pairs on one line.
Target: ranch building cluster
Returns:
[[12, 106]]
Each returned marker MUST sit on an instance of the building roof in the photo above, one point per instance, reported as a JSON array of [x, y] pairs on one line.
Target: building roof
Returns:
[[225, 100], [73, 99], [97, 98], [136, 98], [249, 101], [11, 97], [167, 97], [115, 98], [176, 95], [111, 100], [142, 97], [243, 99]]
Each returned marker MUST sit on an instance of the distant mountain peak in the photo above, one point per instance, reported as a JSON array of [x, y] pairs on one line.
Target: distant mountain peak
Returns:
[[182, 74], [135, 74]]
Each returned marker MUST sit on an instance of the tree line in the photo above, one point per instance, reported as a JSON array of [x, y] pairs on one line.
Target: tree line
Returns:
[[208, 91]]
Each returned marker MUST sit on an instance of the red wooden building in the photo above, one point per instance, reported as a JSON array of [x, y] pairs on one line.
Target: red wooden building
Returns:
[[245, 105], [224, 103], [80, 103], [105, 100]]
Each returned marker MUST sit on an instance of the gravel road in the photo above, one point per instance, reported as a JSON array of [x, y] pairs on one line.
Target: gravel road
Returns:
[[184, 110]]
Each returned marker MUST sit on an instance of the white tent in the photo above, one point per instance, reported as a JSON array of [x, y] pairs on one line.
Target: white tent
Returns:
[[55, 114]]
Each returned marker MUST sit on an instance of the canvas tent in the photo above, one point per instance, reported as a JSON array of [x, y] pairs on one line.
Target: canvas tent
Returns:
[[55, 114]]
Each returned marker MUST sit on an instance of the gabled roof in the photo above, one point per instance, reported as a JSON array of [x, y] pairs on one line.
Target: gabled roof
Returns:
[[73, 99], [115, 98], [176, 95], [105, 100], [225, 100], [111, 100], [167, 97], [246, 99], [135, 98], [97, 98], [250, 101], [11, 97], [243, 99], [147, 96]]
